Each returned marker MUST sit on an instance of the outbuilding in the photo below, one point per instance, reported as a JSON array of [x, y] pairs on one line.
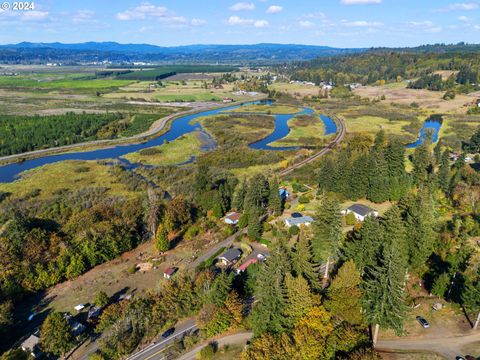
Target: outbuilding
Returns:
[[169, 272], [31, 345]]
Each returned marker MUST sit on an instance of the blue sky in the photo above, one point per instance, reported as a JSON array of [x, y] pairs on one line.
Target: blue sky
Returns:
[[339, 23]]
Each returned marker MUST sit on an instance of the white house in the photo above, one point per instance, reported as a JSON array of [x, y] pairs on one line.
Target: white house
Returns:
[[232, 218], [30, 345], [297, 221], [360, 211]]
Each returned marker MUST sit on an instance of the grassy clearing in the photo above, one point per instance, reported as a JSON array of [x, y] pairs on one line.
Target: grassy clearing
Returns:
[[228, 352], [268, 109], [70, 84], [304, 131], [372, 124], [207, 96], [171, 153], [64, 175]]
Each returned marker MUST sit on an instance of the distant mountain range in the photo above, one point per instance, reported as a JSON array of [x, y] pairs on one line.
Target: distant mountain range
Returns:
[[27, 52]]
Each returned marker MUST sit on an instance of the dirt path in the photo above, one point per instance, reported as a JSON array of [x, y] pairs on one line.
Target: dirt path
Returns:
[[447, 346]]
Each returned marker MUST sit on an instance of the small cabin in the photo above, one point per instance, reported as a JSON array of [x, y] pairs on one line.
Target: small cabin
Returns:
[[230, 257], [169, 272], [360, 211]]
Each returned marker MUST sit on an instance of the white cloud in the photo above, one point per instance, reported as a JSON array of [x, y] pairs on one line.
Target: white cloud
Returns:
[[362, 23], [198, 22], [460, 6], [150, 11], [237, 20], [425, 23], [274, 9], [463, 18], [82, 16], [476, 27], [306, 23], [242, 6], [357, 2], [316, 15], [260, 23], [34, 15]]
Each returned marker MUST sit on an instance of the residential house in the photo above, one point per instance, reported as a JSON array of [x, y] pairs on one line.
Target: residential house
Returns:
[[232, 218], [230, 257], [298, 221], [31, 345], [169, 272], [361, 211]]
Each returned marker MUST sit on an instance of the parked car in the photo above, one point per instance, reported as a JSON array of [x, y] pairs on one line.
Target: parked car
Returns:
[[423, 322], [168, 333]]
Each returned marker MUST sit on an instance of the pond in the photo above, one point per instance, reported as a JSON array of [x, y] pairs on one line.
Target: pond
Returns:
[[179, 127], [431, 127]]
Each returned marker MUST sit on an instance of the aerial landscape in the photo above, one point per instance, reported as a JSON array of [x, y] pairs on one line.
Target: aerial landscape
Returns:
[[240, 180]]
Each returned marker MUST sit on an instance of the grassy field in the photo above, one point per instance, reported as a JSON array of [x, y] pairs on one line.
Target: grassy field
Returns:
[[305, 131], [171, 153], [296, 90], [268, 109], [65, 175], [373, 124]]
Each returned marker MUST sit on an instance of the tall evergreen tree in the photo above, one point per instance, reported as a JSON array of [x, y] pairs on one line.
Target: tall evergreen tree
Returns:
[[268, 315], [384, 296], [239, 197], [327, 175], [358, 178], [254, 223], [422, 163], [299, 298], [443, 175], [257, 194], [302, 263], [420, 221], [56, 335], [378, 184], [344, 297], [327, 231], [395, 232], [274, 199], [220, 288]]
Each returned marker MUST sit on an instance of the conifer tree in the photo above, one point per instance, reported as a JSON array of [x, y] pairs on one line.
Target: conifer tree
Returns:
[[220, 288], [395, 232], [344, 295], [56, 335], [161, 239], [327, 231], [327, 175], [274, 199], [378, 184], [239, 197], [254, 224], [299, 299], [302, 263], [444, 172], [384, 296], [268, 315], [358, 178], [422, 164]]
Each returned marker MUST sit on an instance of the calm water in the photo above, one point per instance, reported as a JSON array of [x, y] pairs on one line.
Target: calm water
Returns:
[[179, 127], [431, 126]]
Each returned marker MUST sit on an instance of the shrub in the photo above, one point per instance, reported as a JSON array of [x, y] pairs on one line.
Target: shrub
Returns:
[[350, 219], [132, 269], [303, 199], [208, 352], [150, 151], [191, 232], [293, 230]]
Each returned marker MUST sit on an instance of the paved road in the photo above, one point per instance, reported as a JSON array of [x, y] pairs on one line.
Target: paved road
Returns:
[[156, 350], [338, 138], [448, 347], [235, 339]]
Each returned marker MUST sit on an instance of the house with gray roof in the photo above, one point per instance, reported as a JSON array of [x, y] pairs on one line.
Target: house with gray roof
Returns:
[[360, 211], [298, 221], [231, 256]]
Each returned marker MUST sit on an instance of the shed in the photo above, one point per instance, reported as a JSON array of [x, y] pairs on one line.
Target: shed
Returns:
[[231, 256], [245, 265], [79, 307], [169, 272]]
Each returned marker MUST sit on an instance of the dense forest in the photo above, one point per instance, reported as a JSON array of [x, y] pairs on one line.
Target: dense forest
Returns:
[[20, 134], [387, 66]]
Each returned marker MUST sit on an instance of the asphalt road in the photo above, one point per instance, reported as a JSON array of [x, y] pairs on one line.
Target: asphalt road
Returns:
[[156, 350]]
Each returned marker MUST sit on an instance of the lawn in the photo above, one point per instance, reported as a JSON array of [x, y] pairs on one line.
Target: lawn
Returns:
[[304, 131], [65, 175], [177, 151], [268, 109]]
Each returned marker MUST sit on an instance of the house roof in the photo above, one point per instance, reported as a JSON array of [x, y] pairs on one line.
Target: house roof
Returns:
[[299, 220], [360, 209], [170, 271], [247, 264], [233, 216], [232, 254], [31, 342]]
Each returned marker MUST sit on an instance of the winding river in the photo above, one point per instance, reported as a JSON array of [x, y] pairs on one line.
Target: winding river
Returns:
[[180, 126]]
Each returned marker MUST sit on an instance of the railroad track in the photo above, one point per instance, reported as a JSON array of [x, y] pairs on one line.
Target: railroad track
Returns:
[[338, 138]]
